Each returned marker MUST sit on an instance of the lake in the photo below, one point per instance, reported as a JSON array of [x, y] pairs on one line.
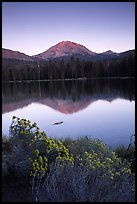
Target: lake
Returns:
[[97, 108]]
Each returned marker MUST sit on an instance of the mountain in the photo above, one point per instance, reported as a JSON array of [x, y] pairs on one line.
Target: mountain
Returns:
[[106, 55], [66, 49], [109, 52], [10, 54], [127, 53]]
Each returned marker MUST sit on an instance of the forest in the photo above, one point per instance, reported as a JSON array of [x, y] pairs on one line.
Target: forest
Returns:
[[19, 70]]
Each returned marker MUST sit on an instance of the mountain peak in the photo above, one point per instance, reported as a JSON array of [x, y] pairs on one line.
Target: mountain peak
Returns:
[[65, 48], [67, 44], [108, 52]]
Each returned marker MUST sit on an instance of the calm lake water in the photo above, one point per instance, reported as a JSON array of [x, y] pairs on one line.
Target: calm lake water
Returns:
[[103, 108]]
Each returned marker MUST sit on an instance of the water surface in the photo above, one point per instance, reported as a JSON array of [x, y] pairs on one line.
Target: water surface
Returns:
[[103, 109]]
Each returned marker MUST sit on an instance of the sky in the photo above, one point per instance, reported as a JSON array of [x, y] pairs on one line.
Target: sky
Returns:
[[33, 27]]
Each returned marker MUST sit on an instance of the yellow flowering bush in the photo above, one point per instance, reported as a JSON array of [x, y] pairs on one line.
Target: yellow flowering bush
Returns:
[[84, 171]]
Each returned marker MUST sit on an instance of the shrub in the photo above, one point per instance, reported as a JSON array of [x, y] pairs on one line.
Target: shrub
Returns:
[[96, 175], [84, 170], [33, 149]]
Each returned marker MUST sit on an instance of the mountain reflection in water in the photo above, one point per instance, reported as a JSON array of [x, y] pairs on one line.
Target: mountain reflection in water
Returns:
[[65, 96], [97, 108]]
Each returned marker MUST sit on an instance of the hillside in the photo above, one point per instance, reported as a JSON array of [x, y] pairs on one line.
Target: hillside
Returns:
[[10, 54]]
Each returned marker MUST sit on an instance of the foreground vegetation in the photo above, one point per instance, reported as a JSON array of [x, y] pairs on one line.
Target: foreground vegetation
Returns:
[[41, 169]]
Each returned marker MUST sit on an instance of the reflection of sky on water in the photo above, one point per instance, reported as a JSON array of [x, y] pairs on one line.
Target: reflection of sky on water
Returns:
[[114, 122]]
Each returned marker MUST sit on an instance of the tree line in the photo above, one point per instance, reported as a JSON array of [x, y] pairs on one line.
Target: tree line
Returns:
[[13, 70]]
